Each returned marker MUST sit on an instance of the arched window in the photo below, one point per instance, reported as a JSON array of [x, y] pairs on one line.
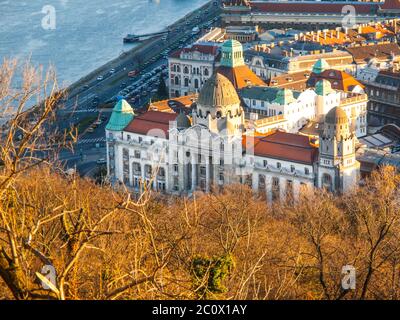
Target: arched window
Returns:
[[186, 82], [177, 80], [178, 69], [161, 172], [206, 72], [186, 70], [196, 83]]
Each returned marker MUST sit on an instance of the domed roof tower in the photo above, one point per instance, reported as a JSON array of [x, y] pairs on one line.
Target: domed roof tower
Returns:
[[218, 91], [122, 115], [336, 116], [218, 105], [232, 54], [338, 169], [320, 66]]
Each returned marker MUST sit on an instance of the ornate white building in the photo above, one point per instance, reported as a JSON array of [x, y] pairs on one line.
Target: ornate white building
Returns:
[[290, 110], [190, 67], [175, 154]]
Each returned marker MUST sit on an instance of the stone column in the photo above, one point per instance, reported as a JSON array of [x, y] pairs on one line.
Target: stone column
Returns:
[[207, 164], [194, 172], [255, 181], [268, 188], [282, 189]]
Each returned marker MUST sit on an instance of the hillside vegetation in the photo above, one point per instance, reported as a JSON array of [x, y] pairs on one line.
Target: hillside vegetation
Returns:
[[105, 244]]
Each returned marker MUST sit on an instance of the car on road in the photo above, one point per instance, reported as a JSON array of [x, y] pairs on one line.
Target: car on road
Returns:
[[101, 161], [112, 71], [133, 73], [99, 78], [90, 130], [86, 86]]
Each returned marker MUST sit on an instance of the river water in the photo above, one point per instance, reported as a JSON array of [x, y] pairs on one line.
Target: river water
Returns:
[[77, 36]]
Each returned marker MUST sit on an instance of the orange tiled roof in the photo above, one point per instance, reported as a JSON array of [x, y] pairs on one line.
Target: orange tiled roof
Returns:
[[240, 76], [168, 104]]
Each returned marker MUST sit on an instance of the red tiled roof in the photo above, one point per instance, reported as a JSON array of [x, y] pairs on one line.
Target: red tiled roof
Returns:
[[339, 80], [176, 54], [300, 81], [205, 49], [284, 146], [150, 122], [311, 7], [391, 5]]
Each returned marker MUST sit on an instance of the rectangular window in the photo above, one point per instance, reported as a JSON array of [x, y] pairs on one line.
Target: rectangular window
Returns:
[[265, 163], [278, 165], [292, 168], [306, 171], [175, 168]]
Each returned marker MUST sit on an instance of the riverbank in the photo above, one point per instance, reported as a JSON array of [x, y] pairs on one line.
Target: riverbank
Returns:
[[131, 54]]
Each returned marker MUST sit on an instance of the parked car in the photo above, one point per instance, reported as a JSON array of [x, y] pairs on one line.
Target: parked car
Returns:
[[99, 78], [112, 71], [101, 161]]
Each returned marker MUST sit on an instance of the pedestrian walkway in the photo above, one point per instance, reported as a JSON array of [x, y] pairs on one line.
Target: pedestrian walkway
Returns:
[[93, 140]]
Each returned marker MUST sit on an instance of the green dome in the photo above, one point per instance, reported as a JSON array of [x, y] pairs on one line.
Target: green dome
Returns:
[[284, 97], [323, 87], [121, 116], [320, 66], [232, 54]]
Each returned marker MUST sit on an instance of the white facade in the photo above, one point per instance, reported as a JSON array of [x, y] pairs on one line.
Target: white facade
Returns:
[[212, 151], [308, 105], [189, 71]]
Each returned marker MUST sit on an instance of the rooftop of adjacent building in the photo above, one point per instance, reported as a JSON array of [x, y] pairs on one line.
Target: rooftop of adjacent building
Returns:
[[364, 53], [310, 6], [205, 48], [174, 105], [301, 80], [388, 78]]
